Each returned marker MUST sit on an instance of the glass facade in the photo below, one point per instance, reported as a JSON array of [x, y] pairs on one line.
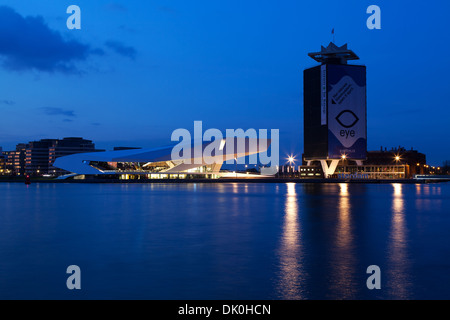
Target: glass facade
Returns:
[[152, 170]]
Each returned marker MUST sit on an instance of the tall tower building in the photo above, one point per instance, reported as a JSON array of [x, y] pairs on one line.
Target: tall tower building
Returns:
[[335, 123]]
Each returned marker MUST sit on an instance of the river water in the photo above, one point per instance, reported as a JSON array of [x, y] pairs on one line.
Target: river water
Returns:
[[225, 241]]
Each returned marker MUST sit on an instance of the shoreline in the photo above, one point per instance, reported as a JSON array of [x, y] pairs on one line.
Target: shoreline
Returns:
[[230, 180]]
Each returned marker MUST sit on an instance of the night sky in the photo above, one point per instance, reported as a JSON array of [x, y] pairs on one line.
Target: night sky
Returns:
[[137, 70]]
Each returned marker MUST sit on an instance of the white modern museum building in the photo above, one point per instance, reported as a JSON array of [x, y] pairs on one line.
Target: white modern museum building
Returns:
[[203, 160]]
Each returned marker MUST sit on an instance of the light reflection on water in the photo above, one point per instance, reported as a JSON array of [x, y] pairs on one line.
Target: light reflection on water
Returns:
[[290, 285], [225, 241], [398, 266], [343, 255]]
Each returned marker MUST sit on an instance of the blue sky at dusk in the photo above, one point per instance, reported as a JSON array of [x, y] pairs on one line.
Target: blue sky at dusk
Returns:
[[137, 70]]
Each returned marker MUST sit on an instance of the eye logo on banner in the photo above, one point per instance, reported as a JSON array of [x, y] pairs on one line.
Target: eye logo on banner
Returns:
[[347, 118]]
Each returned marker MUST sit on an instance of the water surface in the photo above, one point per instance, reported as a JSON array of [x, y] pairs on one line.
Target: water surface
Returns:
[[224, 241]]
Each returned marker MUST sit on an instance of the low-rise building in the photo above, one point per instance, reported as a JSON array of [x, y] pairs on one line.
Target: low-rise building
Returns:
[[396, 163]]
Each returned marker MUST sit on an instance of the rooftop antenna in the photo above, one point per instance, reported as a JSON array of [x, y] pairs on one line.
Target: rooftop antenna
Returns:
[[332, 32]]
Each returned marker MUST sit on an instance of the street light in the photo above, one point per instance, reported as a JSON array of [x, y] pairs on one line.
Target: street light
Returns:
[[291, 160], [343, 157]]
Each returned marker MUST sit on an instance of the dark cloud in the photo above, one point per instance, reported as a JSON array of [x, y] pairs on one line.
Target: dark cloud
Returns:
[[98, 51], [7, 102], [121, 49], [27, 43], [58, 112]]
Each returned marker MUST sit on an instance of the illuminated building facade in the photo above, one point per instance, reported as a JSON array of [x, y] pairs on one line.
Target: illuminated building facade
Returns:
[[334, 109], [159, 163], [396, 163], [40, 155]]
